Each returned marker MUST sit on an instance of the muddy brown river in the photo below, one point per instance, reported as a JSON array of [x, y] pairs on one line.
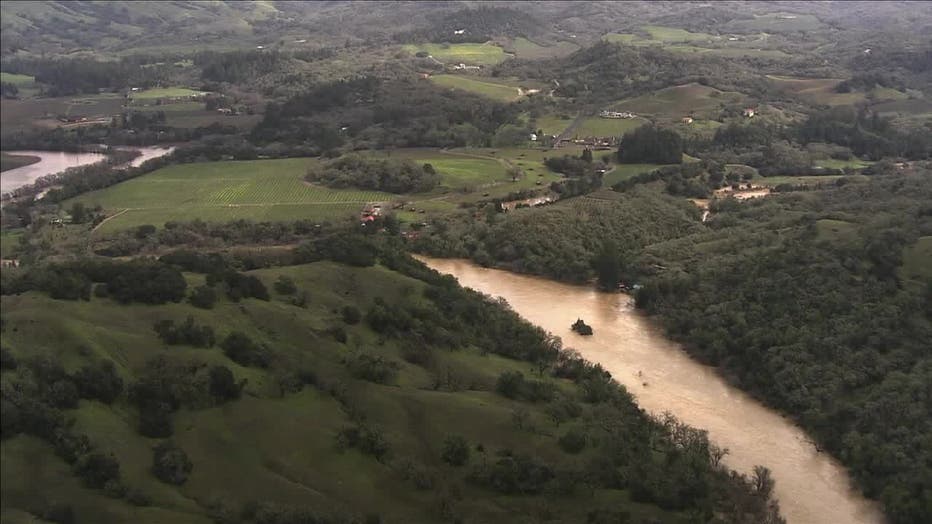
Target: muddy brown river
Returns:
[[811, 486]]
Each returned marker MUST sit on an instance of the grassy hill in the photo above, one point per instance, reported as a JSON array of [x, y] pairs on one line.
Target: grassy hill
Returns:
[[675, 102], [379, 397]]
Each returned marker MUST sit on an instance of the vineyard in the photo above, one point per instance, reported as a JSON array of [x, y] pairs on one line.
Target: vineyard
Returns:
[[221, 191]]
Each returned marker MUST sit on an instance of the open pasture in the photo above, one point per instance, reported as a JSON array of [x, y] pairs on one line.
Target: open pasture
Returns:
[[476, 54], [776, 23], [165, 92], [693, 99], [597, 126], [221, 191], [528, 50], [483, 87]]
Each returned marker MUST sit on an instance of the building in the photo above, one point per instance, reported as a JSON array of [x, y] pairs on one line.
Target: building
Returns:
[[687, 120], [750, 112], [616, 114], [533, 137]]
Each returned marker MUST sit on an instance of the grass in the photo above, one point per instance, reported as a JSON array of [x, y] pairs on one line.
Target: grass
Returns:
[[30, 113], [776, 23], [917, 260], [222, 191], [17, 79], [9, 239], [693, 99], [795, 180], [673, 34], [529, 50], [277, 447], [164, 92], [495, 91], [728, 51], [475, 54], [835, 230], [834, 163], [626, 171], [620, 38], [597, 126], [553, 124], [816, 90]]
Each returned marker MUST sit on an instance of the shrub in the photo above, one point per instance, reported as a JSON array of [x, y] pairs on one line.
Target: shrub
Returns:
[[455, 450], [351, 315], [223, 386], [239, 348], [99, 382], [187, 333], [97, 469], [285, 285], [203, 297], [573, 441], [171, 464], [367, 440], [373, 368]]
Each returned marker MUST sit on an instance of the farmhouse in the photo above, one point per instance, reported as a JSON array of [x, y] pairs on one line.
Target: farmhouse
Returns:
[[687, 120], [750, 112], [616, 114]]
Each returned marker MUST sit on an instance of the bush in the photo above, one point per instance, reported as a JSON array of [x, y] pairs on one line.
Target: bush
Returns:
[[285, 285], [155, 420], [97, 469], [223, 386], [373, 368], [63, 394], [187, 333], [203, 297], [171, 464], [455, 450], [99, 382], [239, 348], [351, 315], [367, 440], [573, 441]]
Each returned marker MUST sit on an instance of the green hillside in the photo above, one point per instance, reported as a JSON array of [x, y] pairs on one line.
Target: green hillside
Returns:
[[351, 394]]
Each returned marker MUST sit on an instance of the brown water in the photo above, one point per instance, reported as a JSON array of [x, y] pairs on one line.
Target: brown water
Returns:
[[811, 486], [50, 162]]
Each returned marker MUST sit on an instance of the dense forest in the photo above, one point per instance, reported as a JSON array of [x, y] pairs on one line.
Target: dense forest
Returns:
[[802, 300], [385, 174]]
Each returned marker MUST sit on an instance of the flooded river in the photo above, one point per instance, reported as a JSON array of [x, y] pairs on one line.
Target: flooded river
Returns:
[[52, 162], [811, 486]]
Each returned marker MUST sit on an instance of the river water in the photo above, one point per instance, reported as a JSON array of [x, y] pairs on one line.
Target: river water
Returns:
[[811, 486], [53, 162]]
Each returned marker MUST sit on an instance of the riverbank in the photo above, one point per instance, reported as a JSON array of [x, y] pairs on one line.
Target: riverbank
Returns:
[[811, 486], [8, 161]]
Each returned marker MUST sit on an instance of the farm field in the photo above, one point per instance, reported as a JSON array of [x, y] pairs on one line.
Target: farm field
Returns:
[[822, 91], [222, 191], [476, 54], [675, 102], [776, 23], [29, 113], [17, 79], [482, 87], [728, 51], [164, 92], [597, 126], [833, 163], [625, 171], [917, 260], [673, 34], [795, 180], [552, 124], [529, 50]]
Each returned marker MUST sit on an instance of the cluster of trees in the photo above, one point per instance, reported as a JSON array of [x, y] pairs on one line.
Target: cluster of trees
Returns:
[[650, 144], [380, 174], [477, 25], [142, 281], [561, 241], [819, 321], [236, 67], [868, 81], [866, 133], [691, 180], [368, 112], [69, 76]]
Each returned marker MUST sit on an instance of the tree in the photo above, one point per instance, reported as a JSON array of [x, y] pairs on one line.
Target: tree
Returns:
[[455, 450], [171, 464], [78, 213], [607, 266], [651, 145], [573, 441], [285, 285], [203, 297]]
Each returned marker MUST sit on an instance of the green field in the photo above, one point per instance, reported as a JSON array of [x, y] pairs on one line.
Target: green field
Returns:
[[673, 34], [776, 23], [695, 100], [621, 38], [26, 113], [17, 79], [164, 92], [795, 180], [917, 260], [597, 126], [475, 54], [834, 163], [728, 51], [553, 124], [223, 191], [529, 50], [482, 87], [625, 171]]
